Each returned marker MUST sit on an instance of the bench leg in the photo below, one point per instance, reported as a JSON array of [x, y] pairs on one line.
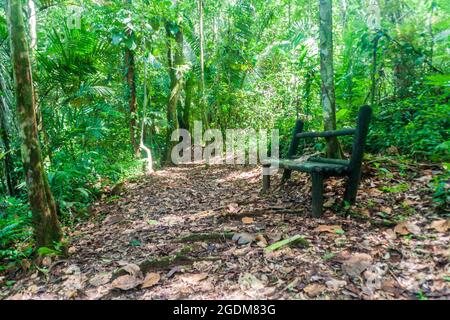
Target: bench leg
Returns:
[[317, 194], [352, 188], [266, 179], [286, 175]]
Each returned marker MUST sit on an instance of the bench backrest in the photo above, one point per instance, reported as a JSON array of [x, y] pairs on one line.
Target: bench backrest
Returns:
[[359, 134], [359, 140]]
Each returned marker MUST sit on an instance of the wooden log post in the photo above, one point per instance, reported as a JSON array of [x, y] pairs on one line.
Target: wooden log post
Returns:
[[365, 114], [266, 177], [293, 148]]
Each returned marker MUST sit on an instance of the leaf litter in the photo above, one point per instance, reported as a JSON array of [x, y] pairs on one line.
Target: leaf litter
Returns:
[[372, 259]]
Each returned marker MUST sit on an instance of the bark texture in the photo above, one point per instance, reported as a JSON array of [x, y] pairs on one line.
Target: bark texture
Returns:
[[131, 94], [327, 75], [45, 220], [176, 61]]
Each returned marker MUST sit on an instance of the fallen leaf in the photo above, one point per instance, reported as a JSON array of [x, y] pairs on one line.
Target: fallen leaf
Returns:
[[329, 203], [440, 225], [133, 269], [330, 229], [314, 289], [374, 192], [356, 264], [126, 282], [243, 238], [100, 279], [405, 228], [335, 284], [194, 278], [150, 280], [72, 250], [110, 220], [262, 242], [386, 210], [233, 207], [247, 220], [390, 234], [249, 281]]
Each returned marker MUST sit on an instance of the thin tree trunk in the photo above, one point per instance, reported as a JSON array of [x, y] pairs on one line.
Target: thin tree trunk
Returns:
[[188, 90], [373, 90], [33, 27], [202, 65], [148, 166], [175, 61], [45, 220], [131, 93], [327, 75]]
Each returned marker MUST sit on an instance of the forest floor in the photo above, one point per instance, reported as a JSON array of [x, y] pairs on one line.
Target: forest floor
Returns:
[[169, 236]]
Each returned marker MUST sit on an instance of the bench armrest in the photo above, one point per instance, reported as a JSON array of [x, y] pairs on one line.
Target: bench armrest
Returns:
[[327, 134]]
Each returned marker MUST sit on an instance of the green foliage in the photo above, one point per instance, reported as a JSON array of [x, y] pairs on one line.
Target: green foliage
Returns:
[[15, 231], [418, 127], [441, 187]]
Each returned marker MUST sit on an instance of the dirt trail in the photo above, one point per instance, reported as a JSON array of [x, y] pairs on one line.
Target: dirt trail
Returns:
[[351, 254]]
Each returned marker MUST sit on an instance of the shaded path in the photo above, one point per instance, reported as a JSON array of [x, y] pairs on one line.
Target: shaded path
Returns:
[[365, 260]]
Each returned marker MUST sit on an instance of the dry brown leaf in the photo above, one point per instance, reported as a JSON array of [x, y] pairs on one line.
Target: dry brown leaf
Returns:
[[329, 203], [330, 229], [405, 228], [194, 278], [386, 210], [243, 238], [133, 269], [150, 280], [314, 289], [335, 284], [233, 207], [374, 192], [100, 279], [440, 225], [247, 220], [262, 242], [72, 250], [356, 264], [126, 282]]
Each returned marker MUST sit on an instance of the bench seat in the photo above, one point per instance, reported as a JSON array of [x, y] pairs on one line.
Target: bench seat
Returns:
[[308, 166]]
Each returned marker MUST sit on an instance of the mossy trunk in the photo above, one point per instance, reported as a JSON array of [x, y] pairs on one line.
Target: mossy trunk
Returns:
[[188, 90], [327, 75], [47, 230], [175, 60], [131, 94]]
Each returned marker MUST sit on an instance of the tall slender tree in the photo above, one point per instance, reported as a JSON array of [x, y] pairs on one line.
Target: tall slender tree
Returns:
[[46, 225], [327, 75], [202, 63], [130, 66], [175, 61]]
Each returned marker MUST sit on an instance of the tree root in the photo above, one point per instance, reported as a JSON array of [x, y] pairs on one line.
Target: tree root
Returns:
[[206, 236], [180, 258]]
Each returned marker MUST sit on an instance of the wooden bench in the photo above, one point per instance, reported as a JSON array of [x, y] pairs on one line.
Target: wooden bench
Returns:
[[321, 168]]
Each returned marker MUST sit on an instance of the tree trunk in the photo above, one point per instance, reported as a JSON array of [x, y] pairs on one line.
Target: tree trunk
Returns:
[[188, 90], [175, 60], [327, 75], [202, 65], [131, 94], [148, 162], [46, 226]]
